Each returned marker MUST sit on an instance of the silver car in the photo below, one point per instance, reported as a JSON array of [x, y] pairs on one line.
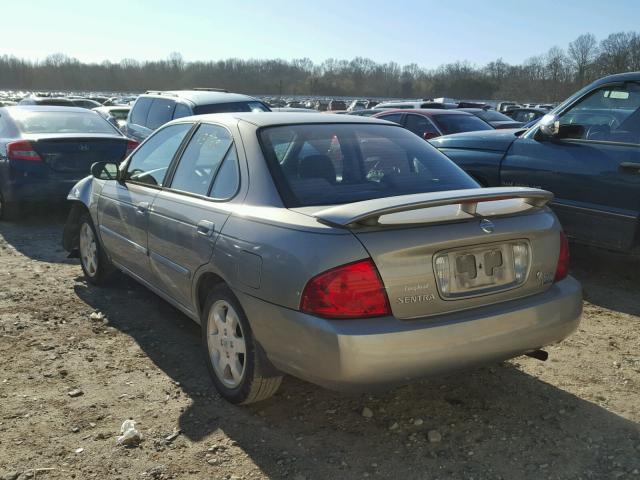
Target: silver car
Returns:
[[342, 250]]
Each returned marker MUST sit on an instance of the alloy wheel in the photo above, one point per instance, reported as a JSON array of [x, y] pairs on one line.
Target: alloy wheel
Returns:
[[226, 344], [88, 250]]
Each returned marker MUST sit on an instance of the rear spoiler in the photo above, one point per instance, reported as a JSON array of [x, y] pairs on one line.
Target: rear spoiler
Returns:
[[368, 212]]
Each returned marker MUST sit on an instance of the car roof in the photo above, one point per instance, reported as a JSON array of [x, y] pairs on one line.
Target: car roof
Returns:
[[112, 107], [619, 77], [265, 119], [45, 108], [427, 112], [201, 97]]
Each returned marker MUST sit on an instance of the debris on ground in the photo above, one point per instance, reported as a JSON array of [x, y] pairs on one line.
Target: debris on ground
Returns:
[[130, 437]]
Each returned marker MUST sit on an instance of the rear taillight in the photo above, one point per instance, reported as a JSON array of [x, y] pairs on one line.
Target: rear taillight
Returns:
[[562, 270], [131, 146], [22, 150], [354, 290]]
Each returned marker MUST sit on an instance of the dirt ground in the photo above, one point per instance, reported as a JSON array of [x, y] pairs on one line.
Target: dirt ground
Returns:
[[577, 416]]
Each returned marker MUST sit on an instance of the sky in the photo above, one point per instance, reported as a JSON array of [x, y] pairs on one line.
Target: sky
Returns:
[[426, 32]]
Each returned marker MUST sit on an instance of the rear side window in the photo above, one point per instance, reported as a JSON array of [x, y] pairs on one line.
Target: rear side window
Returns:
[[181, 111], [376, 161], [160, 112], [392, 117], [151, 160], [202, 159], [420, 125], [140, 111], [228, 179]]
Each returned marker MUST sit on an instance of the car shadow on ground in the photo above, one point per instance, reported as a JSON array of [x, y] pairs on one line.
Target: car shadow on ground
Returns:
[[307, 430], [609, 279], [35, 233]]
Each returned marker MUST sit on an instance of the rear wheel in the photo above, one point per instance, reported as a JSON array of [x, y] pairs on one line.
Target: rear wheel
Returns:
[[95, 264], [232, 355]]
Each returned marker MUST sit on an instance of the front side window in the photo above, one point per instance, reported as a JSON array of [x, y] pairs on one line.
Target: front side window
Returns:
[[376, 161], [610, 114], [202, 159], [151, 160]]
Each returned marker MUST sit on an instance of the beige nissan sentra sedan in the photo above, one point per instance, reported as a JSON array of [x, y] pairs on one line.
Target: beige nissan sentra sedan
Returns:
[[345, 251]]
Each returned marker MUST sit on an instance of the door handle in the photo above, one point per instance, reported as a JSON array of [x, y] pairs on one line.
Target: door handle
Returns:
[[142, 207], [205, 228], [629, 167]]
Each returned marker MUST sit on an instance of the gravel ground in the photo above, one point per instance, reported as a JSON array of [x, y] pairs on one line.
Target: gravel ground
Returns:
[[574, 417]]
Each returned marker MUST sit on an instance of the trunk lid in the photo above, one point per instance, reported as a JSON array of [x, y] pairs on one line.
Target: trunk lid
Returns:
[[76, 153], [483, 236]]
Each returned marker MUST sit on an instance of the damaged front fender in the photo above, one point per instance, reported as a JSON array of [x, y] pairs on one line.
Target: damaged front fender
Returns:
[[81, 191], [82, 197]]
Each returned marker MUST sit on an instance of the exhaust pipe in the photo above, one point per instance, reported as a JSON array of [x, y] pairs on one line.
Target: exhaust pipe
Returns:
[[538, 355]]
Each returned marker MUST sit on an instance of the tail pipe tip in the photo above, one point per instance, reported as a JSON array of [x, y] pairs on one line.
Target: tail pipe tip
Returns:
[[538, 354]]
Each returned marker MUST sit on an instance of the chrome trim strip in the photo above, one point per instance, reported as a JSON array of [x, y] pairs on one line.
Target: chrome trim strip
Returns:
[[124, 239], [594, 210], [172, 265]]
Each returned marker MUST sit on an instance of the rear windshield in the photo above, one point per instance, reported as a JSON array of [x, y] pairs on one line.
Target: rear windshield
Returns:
[[460, 123], [493, 116], [230, 107], [119, 114], [329, 164], [61, 122]]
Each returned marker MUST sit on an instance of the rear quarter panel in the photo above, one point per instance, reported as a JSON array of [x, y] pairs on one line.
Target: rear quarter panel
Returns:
[[274, 262]]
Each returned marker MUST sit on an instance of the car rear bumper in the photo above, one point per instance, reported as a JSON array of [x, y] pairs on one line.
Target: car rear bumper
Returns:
[[38, 190], [360, 354]]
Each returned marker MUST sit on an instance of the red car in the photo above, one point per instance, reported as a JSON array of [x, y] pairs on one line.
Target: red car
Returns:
[[432, 123]]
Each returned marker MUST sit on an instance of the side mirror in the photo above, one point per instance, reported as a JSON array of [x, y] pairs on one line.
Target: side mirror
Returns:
[[105, 171], [550, 125], [429, 135]]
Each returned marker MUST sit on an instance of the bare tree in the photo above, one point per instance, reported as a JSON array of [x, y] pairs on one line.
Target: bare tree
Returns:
[[582, 51], [615, 52], [548, 77]]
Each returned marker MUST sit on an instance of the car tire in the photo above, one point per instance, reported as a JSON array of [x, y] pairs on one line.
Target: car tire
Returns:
[[95, 264], [234, 360], [9, 211]]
